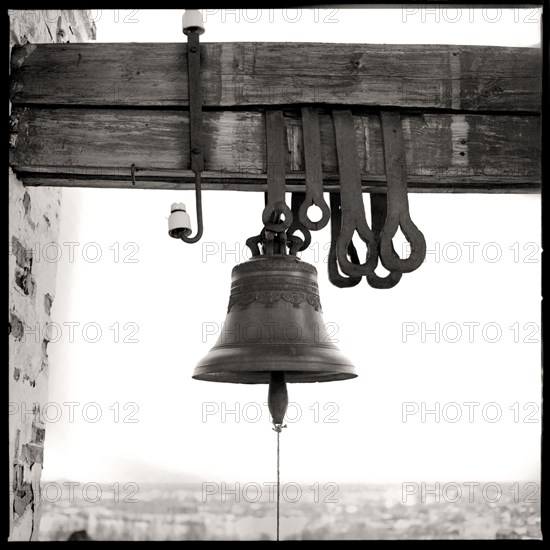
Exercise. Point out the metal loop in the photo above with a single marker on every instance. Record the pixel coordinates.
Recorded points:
(352, 207)
(253, 244)
(389, 258)
(296, 225)
(334, 275)
(273, 242)
(275, 210)
(314, 171)
(397, 200)
(345, 239)
(378, 208)
(325, 214)
(296, 245)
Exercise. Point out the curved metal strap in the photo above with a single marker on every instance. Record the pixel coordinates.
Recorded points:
(195, 124)
(335, 224)
(276, 171)
(295, 244)
(353, 210)
(198, 207)
(277, 243)
(398, 203)
(296, 204)
(253, 244)
(273, 243)
(378, 208)
(314, 170)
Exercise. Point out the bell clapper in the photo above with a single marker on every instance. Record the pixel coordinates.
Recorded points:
(277, 399)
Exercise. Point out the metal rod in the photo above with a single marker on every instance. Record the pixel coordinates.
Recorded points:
(278, 484)
(277, 400)
(195, 125)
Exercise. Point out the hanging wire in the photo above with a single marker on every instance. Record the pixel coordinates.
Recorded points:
(278, 482)
(277, 399)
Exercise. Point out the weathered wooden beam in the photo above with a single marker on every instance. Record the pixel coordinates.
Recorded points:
(465, 78)
(186, 182)
(96, 147)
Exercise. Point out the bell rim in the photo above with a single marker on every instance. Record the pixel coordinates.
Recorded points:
(298, 363)
(263, 377)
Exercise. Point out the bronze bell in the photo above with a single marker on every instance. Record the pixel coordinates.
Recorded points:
(274, 324)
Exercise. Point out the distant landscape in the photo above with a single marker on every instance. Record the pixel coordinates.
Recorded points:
(197, 511)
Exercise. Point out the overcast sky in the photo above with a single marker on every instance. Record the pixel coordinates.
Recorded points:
(161, 294)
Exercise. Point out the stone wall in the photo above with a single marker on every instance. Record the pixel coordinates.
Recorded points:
(33, 222)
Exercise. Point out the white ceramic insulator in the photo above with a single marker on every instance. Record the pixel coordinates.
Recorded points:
(192, 19)
(179, 218)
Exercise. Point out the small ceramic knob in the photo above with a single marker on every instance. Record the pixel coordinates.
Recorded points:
(192, 20)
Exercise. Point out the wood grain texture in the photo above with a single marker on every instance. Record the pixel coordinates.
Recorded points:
(466, 78)
(186, 182)
(445, 152)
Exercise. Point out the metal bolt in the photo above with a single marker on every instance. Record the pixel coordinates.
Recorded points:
(196, 150)
(193, 49)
